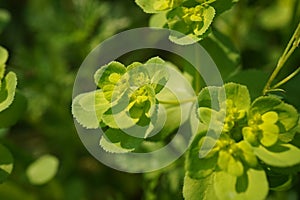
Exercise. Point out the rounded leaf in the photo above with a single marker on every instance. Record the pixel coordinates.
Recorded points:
(252, 185)
(42, 170)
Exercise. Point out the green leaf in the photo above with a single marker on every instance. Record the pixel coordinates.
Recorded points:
(210, 117)
(223, 5)
(6, 163)
(193, 24)
(7, 90)
(176, 113)
(180, 39)
(14, 112)
(4, 18)
(105, 75)
(253, 185)
(208, 16)
(248, 155)
(206, 95)
(42, 170)
(88, 108)
(153, 72)
(117, 141)
(3, 56)
(121, 120)
(223, 52)
(280, 182)
(158, 20)
(195, 189)
(156, 6)
(108, 76)
(279, 155)
(3, 59)
(239, 95)
(197, 168)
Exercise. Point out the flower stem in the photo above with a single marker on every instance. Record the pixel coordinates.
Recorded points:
(283, 81)
(292, 45)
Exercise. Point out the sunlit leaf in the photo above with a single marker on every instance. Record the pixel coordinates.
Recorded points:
(88, 108)
(279, 155)
(253, 185)
(42, 170)
(7, 90)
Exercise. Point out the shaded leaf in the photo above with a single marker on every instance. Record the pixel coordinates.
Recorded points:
(14, 112)
(117, 141)
(6, 163)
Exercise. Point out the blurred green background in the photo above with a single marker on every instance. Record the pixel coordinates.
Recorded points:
(47, 41)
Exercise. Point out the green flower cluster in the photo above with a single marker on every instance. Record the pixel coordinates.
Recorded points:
(189, 17)
(125, 101)
(242, 137)
(126, 95)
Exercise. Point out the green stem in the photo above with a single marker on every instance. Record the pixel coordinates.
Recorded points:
(178, 102)
(292, 45)
(287, 78)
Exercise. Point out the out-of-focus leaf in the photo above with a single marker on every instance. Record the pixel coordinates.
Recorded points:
(4, 18)
(13, 191)
(6, 163)
(42, 170)
(14, 112)
(255, 80)
(223, 52)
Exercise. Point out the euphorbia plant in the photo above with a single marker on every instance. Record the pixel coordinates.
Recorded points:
(242, 146)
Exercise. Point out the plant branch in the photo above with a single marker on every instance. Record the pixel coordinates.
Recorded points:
(292, 45)
(283, 81)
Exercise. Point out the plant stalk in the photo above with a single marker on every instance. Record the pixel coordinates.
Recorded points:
(292, 45)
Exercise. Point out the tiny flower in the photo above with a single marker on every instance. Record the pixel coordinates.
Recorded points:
(262, 129)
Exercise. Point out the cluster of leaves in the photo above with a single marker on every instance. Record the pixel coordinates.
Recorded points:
(12, 107)
(192, 18)
(125, 102)
(26, 28)
(244, 148)
(8, 84)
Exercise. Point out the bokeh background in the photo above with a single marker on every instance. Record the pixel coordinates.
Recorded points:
(49, 39)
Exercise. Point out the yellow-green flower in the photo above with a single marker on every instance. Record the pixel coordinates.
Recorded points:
(262, 129)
